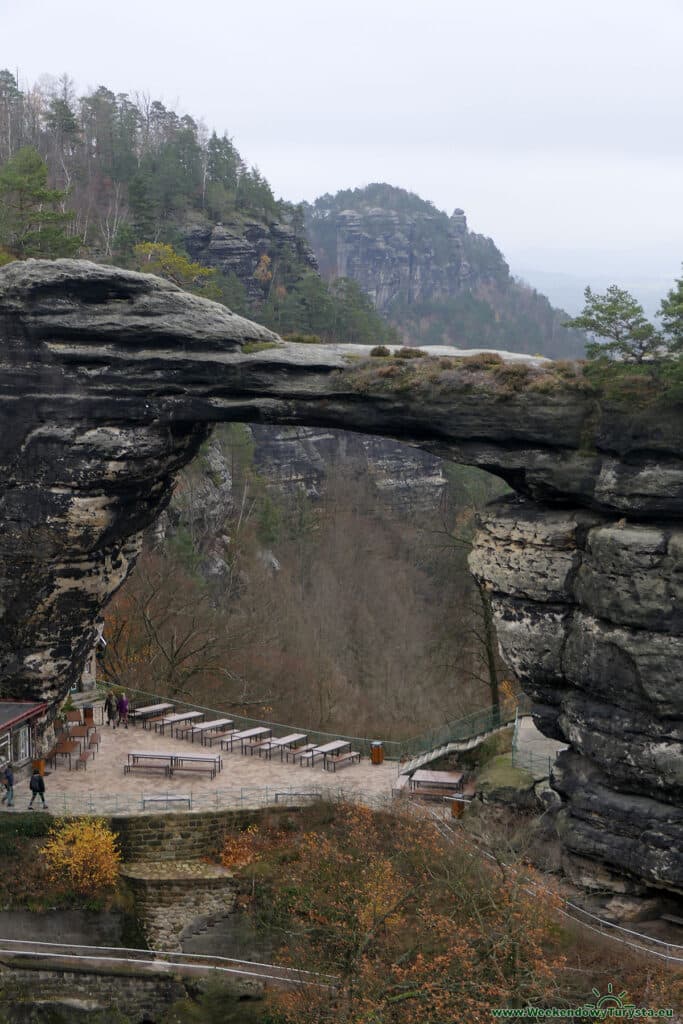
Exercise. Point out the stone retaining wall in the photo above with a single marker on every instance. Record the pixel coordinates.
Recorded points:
(187, 836)
(184, 898)
(101, 996)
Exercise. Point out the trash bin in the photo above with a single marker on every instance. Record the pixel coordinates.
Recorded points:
(88, 714)
(39, 763)
(377, 752)
(457, 808)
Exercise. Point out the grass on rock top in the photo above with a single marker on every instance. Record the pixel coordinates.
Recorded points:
(411, 370)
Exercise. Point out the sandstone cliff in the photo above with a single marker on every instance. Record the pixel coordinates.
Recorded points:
(430, 275)
(236, 248)
(108, 381)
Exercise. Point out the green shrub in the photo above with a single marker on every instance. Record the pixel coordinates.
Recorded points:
(304, 339)
(380, 350)
(406, 352)
(483, 361)
(513, 376)
(258, 346)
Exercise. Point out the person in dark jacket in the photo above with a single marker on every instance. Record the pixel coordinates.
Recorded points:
(8, 783)
(37, 786)
(110, 708)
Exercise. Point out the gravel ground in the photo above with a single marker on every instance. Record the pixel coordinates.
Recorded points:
(245, 780)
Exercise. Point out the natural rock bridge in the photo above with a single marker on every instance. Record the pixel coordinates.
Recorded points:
(109, 382)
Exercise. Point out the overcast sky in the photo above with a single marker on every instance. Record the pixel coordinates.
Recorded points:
(555, 124)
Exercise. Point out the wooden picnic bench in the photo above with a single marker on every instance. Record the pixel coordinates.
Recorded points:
(282, 743)
(149, 760)
(196, 763)
(401, 785)
(217, 737)
(149, 711)
(167, 798)
(433, 793)
(83, 758)
(202, 728)
(302, 754)
(334, 761)
(65, 748)
(146, 766)
(426, 779)
(325, 751)
(175, 719)
(247, 736)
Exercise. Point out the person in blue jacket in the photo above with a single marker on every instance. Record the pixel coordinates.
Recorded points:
(8, 783)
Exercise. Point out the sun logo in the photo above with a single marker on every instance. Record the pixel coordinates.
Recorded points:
(610, 1000)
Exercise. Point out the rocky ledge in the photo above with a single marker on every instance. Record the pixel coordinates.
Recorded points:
(109, 382)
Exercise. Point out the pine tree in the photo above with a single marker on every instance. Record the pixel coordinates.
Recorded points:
(31, 221)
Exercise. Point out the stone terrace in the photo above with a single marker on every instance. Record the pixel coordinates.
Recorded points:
(246, 780)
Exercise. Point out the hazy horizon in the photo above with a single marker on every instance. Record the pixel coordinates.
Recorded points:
(552, 126)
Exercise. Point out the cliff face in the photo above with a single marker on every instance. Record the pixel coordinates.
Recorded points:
(108, 382)
(432, 277)
(300, 457)
(236, 248)
(393, 257)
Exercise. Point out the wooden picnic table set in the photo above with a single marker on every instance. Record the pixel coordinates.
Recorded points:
(255, 739)
(432, 784)
(334, 754)
(77, 738)
(170, 762)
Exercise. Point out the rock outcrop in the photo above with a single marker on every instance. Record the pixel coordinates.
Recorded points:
(236, 248)
(433, 278)
(299, 457)
(109, 381)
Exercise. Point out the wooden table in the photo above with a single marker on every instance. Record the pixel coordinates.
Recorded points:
(201, 728)
(150, 759)
(66, 748)
(282, 743)
(247, 736)
(333, 747)
(441, 780)
(171, 720)
(149, 712)
(197, 762)
(81, 732)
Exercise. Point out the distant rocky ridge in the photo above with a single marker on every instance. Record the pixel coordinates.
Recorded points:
(437, 281)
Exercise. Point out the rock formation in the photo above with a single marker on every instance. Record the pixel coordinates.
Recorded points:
(236, 248)
(109, 381)
(294, 458)
(430, 276)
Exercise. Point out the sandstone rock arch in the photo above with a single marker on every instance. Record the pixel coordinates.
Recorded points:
(109, 382)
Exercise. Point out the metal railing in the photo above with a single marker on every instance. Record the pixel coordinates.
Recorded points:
(233, 798)
(184, 963)
(459, 730)
(535, 764)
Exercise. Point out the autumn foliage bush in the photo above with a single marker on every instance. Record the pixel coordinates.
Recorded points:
(414, 928)
(82, 856)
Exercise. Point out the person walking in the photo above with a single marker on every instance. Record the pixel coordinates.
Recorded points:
(8, 783)
(37, 787)
(110, 708)
(122, 708)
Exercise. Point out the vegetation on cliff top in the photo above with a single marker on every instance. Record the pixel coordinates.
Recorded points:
(639, 385)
